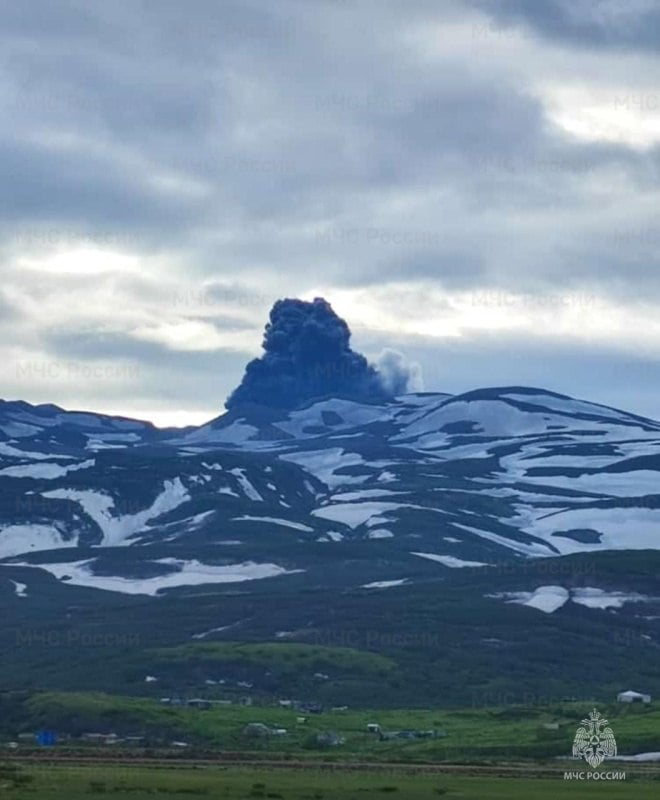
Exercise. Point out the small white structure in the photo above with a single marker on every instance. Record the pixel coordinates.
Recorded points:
(633, 697)
(373, 727)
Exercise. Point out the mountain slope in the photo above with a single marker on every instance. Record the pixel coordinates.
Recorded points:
(492, 474)
(439, 530)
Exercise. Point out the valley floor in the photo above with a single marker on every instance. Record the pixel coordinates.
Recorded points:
(139, 782)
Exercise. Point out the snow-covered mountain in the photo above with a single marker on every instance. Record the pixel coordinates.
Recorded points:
(480, 478)
(492, 541)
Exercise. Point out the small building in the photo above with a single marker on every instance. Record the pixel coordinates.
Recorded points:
(46, 738)
(198, 702)
(95, 738)
(329, 739)
(386, 736)
(406, 735)
(373, 727)
(171, 701)
(100, 738)
(633, 697)
(311, 708)
(256, 730)
(430, 734)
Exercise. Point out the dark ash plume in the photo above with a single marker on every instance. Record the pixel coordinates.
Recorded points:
(307, 356)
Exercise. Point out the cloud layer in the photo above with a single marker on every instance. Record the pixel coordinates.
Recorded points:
(473, 184)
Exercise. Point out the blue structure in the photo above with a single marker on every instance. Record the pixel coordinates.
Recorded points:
(46, 738)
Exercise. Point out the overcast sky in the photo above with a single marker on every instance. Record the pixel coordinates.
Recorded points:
(472, 183)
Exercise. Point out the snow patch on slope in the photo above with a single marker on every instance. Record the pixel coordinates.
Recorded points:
(245, 484)
(349, 413)
(117, 530)
(276, 521)
(354, 514)
(14, 452)
(546, 598)
(323, 464)
(20, 589)
(16, 540)
(592, 597)
(188, 573)
(451, 561)
(550, 598)
(621, 528)
(44, 470)
(235, 434)
(384, 584)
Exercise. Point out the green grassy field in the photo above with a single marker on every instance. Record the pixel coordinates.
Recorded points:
(139, 783)
(288, 658)
(473, 734)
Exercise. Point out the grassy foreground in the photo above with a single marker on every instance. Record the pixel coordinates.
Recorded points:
(139, 783)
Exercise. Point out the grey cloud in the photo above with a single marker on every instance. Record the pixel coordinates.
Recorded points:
(44, 191)
(592, 371)
(258, 150)
(9, 313)
(451, 269)
(629, 24)
(121, 346)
